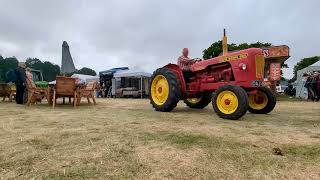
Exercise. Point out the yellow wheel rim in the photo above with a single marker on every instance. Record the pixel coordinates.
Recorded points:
(258, 101)
(194, 100)
(227, 102)
(159, 90)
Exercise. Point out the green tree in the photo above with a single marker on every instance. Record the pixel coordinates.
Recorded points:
(7, 64)
(303, 63)
(216, 48)
(49, 70)
(1, 78)
(34, 63)
(86, 71)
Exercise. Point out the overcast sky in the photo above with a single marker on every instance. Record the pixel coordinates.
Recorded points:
(147, 34)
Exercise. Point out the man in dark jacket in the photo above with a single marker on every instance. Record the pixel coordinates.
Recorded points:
(20, 82)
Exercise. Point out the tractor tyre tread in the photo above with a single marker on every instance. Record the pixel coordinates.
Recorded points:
(174, 90)
(243, 102)
(272, 101)
(205, 100)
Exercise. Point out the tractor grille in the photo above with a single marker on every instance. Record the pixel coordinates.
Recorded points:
(259, 66)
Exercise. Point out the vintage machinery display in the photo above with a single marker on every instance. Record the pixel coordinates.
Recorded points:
(233, 82)
(274, 56)
(38, 78)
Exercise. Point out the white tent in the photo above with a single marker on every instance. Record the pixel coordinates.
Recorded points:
(86, 78)
(82, 77)
(132, 73)
(301, 91)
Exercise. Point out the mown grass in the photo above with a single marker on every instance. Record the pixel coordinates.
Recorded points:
(126, 139)
(74, 173)
(306, 152)
(288, 98)
(246, 157)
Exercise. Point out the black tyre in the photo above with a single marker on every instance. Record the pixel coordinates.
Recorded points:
(199, 103)
(263, 102)
(165, 90)
(230, 102)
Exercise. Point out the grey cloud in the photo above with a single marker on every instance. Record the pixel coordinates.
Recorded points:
(148, 34)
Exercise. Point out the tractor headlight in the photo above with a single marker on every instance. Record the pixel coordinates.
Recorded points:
(242, 66)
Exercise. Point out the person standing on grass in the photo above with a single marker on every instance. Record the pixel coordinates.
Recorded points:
(20, 82)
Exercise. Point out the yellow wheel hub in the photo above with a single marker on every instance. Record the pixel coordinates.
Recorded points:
(194, 100)
(159, 90)
(227, 102)
(258, 101)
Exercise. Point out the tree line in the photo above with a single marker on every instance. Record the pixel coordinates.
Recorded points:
(49, 70)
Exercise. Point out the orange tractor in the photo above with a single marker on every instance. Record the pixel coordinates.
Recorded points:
(233, 82)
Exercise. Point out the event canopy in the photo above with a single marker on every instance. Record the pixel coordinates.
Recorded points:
(301, 92)
(86, 78)
(112, 71)
(132, 78)
(82, 77)
(131, 73)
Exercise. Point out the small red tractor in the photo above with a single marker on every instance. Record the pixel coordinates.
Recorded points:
(233, 82)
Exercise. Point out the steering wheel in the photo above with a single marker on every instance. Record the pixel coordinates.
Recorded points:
(197, 59)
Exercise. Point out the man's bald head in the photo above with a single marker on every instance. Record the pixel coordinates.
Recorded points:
(185, 52)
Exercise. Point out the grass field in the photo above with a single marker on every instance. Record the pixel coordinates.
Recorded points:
(126, 139)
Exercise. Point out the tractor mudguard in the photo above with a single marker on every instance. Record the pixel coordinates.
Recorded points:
(177, 70)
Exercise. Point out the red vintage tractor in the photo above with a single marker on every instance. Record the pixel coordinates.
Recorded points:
(233, 83)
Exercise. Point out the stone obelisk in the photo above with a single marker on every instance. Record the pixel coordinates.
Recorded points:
(67, 65)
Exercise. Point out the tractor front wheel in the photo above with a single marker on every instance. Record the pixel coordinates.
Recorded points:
(262, 102)
(165, 90)
(198, 103)
(230, 102)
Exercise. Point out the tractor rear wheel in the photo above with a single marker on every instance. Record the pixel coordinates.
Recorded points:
(198, 103)
(263, 102)
(230, 102)
(165, 90)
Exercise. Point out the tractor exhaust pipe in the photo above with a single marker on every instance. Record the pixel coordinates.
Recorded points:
(224, 43)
